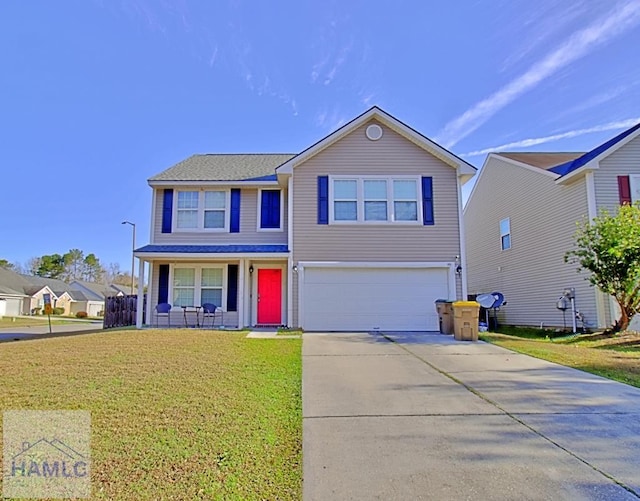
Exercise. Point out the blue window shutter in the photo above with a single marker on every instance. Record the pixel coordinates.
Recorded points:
(427, 201)
(270, 209)
(234, 226)
(323, 199)
(167, 210)
(163, 283)
(232, 287)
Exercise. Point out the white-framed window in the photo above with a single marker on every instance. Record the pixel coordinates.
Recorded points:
(505, 234)
(345, 200)
(634, 185)
(375, 200)
(197, 285)
(202, 210)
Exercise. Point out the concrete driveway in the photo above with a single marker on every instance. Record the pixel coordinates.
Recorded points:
(421, 416)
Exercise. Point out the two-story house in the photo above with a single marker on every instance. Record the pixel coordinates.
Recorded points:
(521, 218)
(361, 231)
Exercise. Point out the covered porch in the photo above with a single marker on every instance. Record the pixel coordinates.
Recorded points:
(249, 285)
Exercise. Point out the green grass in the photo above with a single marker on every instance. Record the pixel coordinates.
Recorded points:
(30, 321)
(176, 414)
(614, 357)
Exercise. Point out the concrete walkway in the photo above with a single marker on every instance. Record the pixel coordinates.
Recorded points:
(421, 416)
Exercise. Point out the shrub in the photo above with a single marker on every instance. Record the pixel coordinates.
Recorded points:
(81, 314)
(58, 311)
(36, 311)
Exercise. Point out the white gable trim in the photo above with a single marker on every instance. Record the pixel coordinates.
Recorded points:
(594, 163)
(465, 170)
(614, 148)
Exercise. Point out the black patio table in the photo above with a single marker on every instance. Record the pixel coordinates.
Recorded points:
(190, 309)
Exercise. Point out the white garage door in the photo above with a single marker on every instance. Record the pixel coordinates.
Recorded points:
(366, 299)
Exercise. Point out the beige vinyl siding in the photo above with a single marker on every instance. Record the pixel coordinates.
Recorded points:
(622, 162)
(249, 233)
(391, 155)
(532, 274)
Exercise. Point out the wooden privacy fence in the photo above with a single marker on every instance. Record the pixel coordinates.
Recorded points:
(120, 311)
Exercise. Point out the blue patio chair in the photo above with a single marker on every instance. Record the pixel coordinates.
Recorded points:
(210, 310)
(163, 310)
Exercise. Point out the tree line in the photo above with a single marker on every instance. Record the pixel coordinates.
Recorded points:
(70, 266)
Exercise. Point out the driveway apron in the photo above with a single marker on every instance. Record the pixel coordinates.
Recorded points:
(421, 416)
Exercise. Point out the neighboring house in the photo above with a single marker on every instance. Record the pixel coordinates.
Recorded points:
(24, 294)
(521, 218)
(12, 291)
(360, 231)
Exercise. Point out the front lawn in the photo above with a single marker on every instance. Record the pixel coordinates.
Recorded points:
(176, 414)
(615, 357)
(34, 321)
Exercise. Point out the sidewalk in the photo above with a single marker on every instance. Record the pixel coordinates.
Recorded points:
(420, 416)
(42, 331)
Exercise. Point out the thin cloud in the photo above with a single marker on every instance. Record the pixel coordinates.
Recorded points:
(524, 143)
(575, 47)
(340, 60)
(330, 120)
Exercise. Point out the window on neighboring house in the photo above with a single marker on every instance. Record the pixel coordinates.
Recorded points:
(505, 234)
(202, 210)
(634, 184)
(197, 286)
(370, 199)
(270, 210)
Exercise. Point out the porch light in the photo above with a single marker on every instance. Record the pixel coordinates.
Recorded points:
(251, 269)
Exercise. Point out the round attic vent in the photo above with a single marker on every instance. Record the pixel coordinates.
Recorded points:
(374, 132)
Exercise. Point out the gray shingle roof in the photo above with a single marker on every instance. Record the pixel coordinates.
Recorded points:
(224, 167)
(12, 283)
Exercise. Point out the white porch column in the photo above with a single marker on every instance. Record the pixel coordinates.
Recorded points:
(140, 293)
(150, 304)
(241, 298)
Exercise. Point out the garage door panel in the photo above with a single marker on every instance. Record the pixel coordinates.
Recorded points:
(372, 298)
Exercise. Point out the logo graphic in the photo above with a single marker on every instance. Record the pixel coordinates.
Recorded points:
(46, 454)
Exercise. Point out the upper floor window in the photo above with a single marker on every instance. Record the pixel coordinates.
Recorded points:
(202, 210)
(270, 210)
(374, 199)
(634, 182)
(505, 233)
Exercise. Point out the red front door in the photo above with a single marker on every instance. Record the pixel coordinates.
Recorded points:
(269, 296)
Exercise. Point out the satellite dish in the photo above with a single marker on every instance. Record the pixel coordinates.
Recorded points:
(499, 299)
(486, 300)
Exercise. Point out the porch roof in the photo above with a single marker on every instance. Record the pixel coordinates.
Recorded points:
(213, 249)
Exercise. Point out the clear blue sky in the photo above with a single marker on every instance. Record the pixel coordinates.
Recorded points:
(98, 95)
